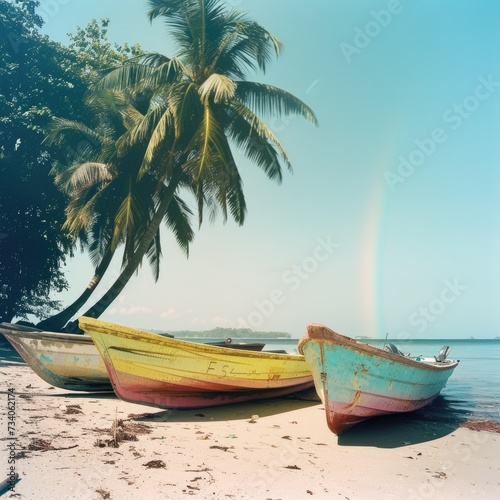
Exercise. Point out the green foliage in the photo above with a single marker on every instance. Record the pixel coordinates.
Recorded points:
(34, 86)
(110, 203)
(174, 125)
(40, 80)
(93, 51)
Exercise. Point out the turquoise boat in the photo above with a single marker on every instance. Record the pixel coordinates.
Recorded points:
(356, 381)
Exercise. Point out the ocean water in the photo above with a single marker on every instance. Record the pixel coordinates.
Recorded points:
(473, 390)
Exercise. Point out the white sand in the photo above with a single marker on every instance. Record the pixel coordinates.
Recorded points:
(287, 453)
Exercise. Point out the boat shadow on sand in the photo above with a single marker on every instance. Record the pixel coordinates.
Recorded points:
(239, 411)
(432, 422)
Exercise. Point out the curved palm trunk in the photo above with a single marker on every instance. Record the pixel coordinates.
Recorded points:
(56, 323)
(134, 262)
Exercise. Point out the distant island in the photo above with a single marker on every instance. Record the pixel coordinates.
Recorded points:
(224, 333)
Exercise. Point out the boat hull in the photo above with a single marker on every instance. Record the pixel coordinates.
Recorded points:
(169, 373)
(356, 381)
(62, 360)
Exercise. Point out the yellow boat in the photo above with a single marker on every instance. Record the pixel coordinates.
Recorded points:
(165, 372)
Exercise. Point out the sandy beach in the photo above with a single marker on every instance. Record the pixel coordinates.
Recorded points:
(94, 446)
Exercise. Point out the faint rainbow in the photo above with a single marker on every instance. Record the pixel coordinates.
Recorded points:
(373, 242)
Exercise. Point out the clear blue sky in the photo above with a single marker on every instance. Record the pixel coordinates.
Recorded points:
(390, 221)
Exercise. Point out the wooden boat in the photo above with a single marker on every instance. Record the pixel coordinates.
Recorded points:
(356, 381)
(170, 373)
(70, 361)
(63, 360)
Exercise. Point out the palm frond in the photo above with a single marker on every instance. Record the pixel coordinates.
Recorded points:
(175, 15)
(79, 213)
(152, 59)
(61, 131)
(131, 116)
(164, 74)
(218, 88)
(128, 217)
(246, 46)
(273, 101)
(140, 132)
(227, 188)
(84, 175)
(209, 141)
(184, 104)
(195, 25)
(257, 141)
(178, 221)
(159, 141)
(124, 77)
(154, 255)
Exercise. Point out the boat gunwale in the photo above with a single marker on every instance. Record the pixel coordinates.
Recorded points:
(19, 328)
(43, 335)
(121, 331)
(322, 334)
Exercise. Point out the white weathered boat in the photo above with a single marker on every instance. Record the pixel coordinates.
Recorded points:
(63, 360)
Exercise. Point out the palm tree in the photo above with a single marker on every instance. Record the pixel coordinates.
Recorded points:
(109, 205)
(203, 107)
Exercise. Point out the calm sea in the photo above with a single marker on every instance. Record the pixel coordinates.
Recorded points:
(472, 392)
